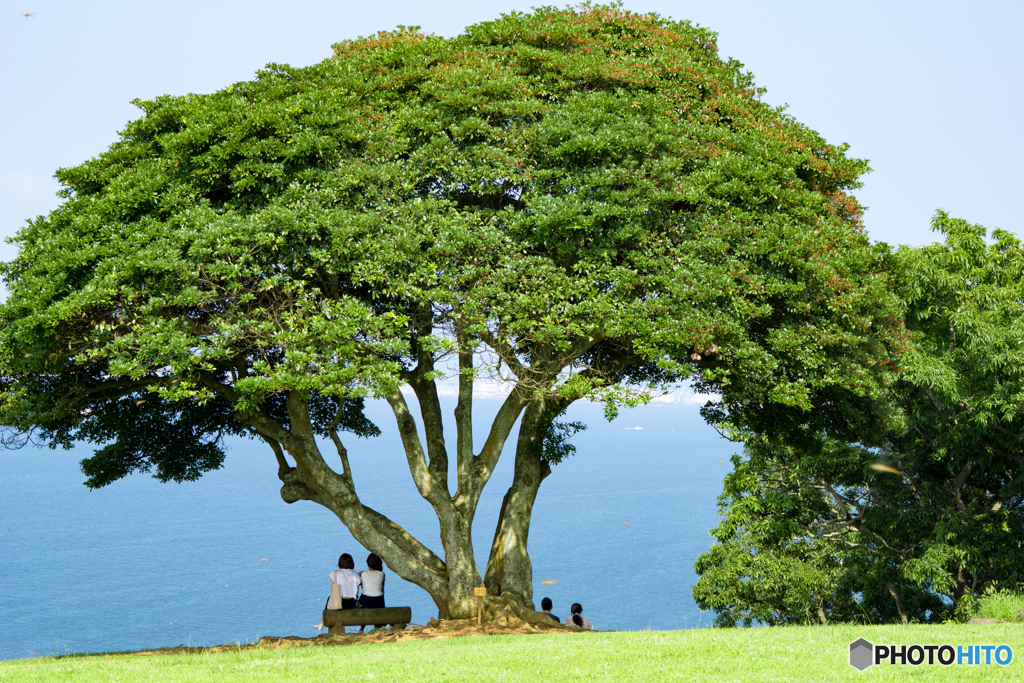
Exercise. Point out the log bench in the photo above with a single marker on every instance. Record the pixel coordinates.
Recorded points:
(335, 619)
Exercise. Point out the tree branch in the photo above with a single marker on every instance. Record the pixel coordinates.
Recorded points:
(500, 428)
(429, 488)
(404, 540)
(332, 429)
(464, 407)
(899, 603)
(1002, 451)
(373, 530)
(125, 387)
(430, 412)
(506, 354)
(282, 463)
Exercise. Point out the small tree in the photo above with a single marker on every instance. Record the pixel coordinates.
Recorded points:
(586, 203)
(907, 524)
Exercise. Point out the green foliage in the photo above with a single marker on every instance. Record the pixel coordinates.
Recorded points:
(914, 521)
(806, 539)
(1000, 603)
(592, 197)
(554, 445)
(588, 189)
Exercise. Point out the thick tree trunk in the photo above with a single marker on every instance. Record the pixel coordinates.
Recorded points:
(463, 576)
(450, 582)
(509, 570)
(313, 480)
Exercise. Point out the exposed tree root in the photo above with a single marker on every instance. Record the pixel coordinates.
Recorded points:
(498, 624)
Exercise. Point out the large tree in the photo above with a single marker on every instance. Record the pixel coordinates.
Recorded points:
(586, 203)
(912, 521)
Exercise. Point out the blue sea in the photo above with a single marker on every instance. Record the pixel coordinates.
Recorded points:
(140, 564)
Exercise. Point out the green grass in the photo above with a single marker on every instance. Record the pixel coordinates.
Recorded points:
(1002, 605)
(775, 654)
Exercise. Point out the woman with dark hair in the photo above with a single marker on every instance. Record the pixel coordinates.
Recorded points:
(373, 585)
(372, 581)
(344, 586)
(577, 619)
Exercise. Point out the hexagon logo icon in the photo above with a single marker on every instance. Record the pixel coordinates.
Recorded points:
(861, 654)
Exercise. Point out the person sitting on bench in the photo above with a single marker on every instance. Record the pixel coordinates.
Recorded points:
(345, 584)
(372, 581)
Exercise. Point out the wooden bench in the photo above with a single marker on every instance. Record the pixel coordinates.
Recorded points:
(384, 616)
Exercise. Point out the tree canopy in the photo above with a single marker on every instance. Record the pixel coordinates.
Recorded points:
(908, 523)
(585, 203)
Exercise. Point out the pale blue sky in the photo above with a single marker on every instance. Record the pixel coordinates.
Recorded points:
(930, 92)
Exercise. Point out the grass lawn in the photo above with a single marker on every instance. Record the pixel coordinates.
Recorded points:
(817, 653)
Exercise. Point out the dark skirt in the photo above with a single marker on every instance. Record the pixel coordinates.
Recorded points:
(346, 603)
(371, 601)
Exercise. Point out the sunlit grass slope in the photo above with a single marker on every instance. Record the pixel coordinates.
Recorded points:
(786, 654)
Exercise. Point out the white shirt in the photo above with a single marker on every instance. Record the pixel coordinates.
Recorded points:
(373, 583)
(347, 580)
(586, 622)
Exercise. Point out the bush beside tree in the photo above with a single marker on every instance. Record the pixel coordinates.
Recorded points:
(916, 522)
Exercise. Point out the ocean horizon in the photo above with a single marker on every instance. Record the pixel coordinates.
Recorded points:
(141, 565)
